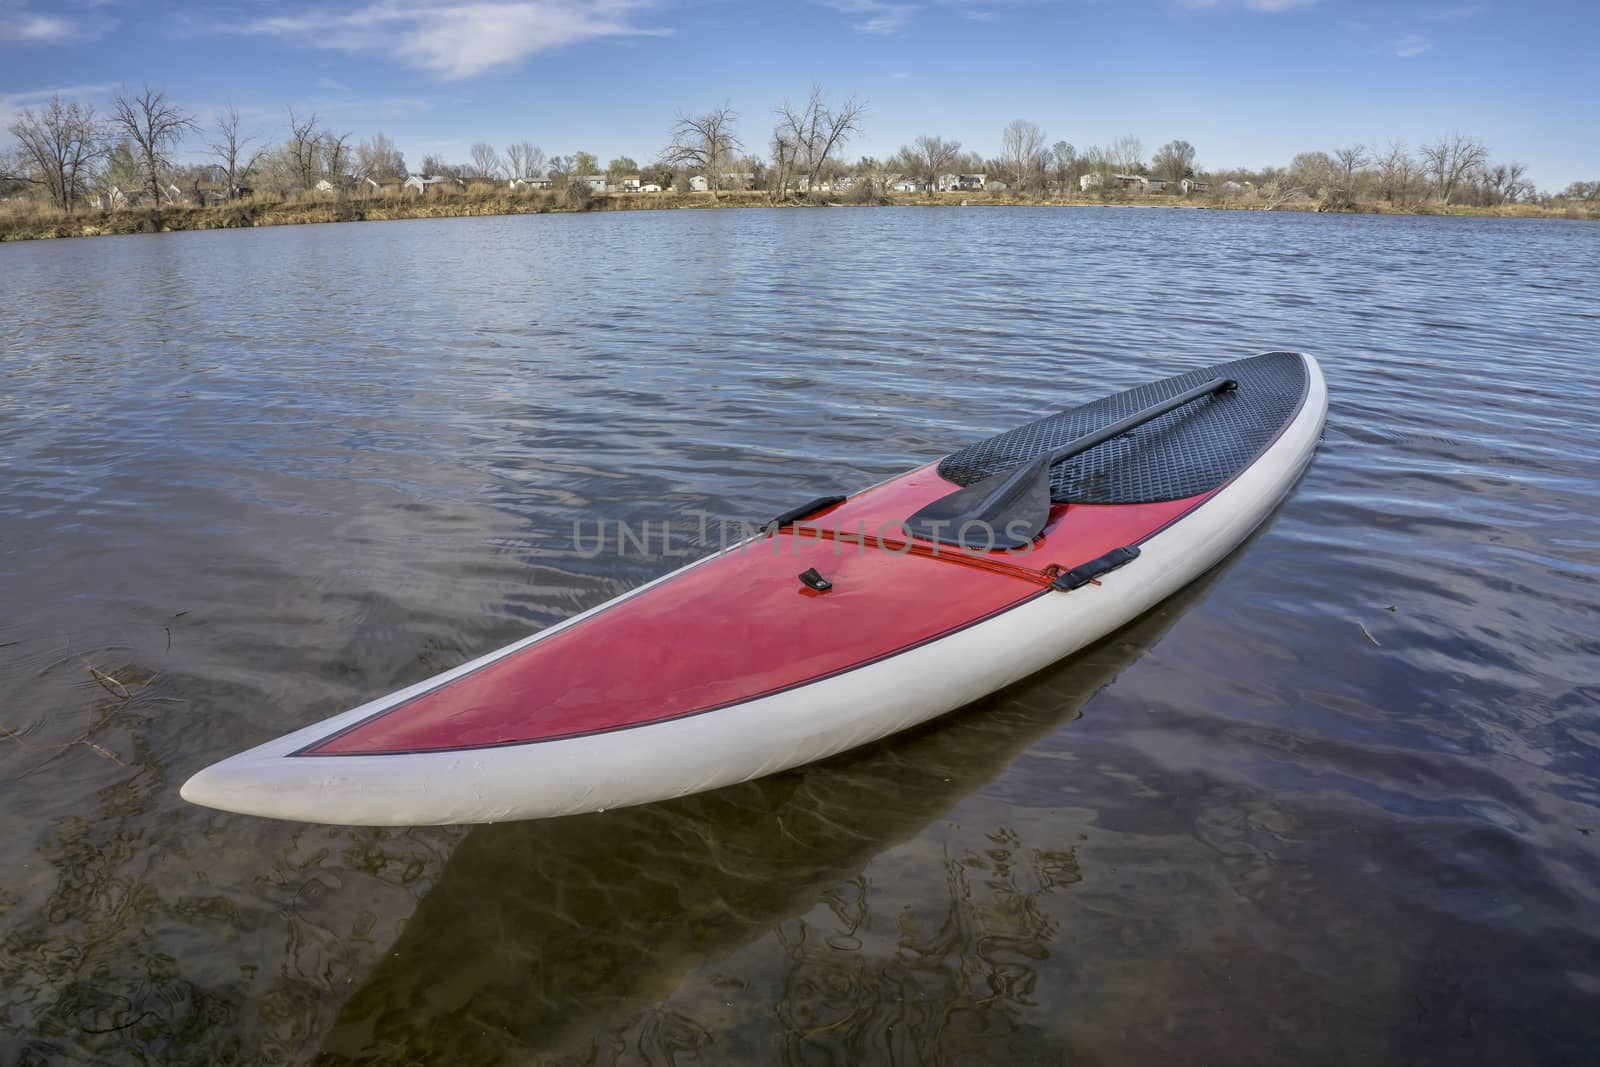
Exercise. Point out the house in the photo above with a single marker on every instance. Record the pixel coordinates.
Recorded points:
(420, 185)
(649, 187)
(962, 182)
(110, 199)
(531, 183)
(698, 184)
(212, 190)
(908, 185)
(207, 192)
(1233, 188)
(803, 185)
(597, 182)
(947, 182)
(630, 183)
(1089, 181)
(323, 186)
(1190, 185)
(1140, 182)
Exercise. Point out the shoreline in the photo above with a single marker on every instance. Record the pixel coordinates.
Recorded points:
(38, 225)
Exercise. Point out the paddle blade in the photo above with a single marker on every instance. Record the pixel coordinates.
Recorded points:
(1004, 510)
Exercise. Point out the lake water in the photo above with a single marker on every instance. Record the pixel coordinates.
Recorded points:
(1338, 802)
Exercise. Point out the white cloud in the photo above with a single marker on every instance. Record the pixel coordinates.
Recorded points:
(458, 40)
(1412, 45)
(1457, 12)
(891, 17)
(878, 16)
(1270, 7)
(23, 27)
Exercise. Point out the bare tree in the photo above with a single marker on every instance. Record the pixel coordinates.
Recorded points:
(875, 176)
(1348, 161)
(524, 160)
(379, 158)
(336, 153)
(783, 155)
(928, 157)
(533, 156)
(1021, 152)
(816, 130)
(1313, 173)
(1398, 174)
(1126, 154)
(57, 148)
(232, 152)
(560, 168)
(1277, 190)
(1096, 160)
(486, 160)
(1519, 186)
(1450, 160)
(1174, 161)
(304, 144)
(155, 128)
(705, 142)
(14, 175)
(1065, 159)
(1505, 183)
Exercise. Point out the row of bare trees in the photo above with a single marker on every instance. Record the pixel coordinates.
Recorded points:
(65, 151)
(68, 151)
(1454, 169)
(1451, 169)
(60, 146)
(807, 140)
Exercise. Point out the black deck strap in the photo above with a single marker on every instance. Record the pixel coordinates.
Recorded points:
(1085, 573)
(803, 511)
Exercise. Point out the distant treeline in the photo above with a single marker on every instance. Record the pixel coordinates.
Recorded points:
(68, 155)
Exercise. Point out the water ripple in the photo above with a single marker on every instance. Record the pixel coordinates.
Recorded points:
(1348, 808)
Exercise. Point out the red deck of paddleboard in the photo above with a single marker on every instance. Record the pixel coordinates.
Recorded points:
(741, 626)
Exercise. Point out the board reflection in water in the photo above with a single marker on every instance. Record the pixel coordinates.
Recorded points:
(561, 937)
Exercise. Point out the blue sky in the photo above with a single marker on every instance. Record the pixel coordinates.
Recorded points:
(1248, 82)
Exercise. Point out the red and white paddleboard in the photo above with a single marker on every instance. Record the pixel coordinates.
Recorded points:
(822, 634)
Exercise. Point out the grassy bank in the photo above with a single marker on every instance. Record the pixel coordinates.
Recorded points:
(28, 221)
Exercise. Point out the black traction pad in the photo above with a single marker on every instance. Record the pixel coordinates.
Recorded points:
(1186, 452)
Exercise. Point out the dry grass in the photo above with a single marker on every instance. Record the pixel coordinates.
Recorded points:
(27, 220)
